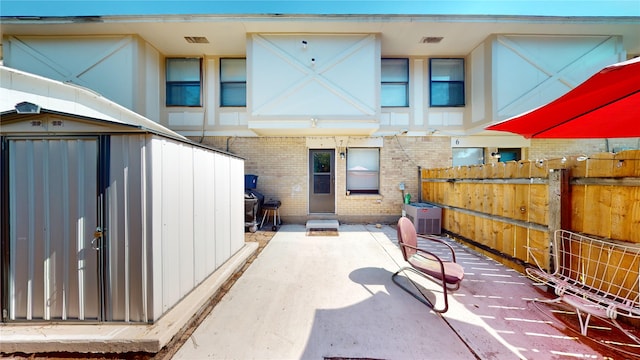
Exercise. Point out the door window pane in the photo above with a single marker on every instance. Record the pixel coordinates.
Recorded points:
(322, 173)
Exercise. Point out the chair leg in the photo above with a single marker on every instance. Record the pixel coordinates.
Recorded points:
(422, 298)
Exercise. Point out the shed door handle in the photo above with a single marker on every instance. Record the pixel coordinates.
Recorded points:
(97, 235)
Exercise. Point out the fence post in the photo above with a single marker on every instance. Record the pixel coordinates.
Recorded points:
(559, 200)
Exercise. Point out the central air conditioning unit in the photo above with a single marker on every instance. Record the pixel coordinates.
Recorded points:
(427, 218)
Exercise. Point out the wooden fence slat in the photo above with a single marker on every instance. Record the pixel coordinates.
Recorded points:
(538, 240)
(578, 193)
(511, 169)
(627, 163)
(497, 170)
(598, 207)
(600, 165)
(539, 204)
(539, 169)
(524, 169)
(521, 202)
(626, 215)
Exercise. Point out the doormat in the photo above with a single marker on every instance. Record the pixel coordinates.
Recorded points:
(322, 232)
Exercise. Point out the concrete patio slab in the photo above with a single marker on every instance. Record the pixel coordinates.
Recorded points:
(332, 296)
(315, 297)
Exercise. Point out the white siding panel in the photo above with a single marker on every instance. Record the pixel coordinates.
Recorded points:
(200, 215)
(400, 119)
(446, 118)
(330, 76)
(385, 119)
(478, 95)
(236, 205)
(152, 83)
(229, 119)
(530, 71)
(170, 207)
(222, 200)
(417, 92)
(185, 238)
(178, 119)
(80, 60)
(155, 177)
(209, 238)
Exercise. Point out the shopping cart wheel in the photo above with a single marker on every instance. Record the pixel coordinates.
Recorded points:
(253, 228)
(274, 228)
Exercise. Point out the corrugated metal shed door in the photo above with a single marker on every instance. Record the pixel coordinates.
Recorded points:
(53, 214)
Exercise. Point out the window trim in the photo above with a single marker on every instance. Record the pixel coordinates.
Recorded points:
(431, 82)
(406, 84)
(221, 83)
(182, 83)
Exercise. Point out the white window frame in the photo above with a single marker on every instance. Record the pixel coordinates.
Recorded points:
(440, 74)
(363, 175)
(392, 80)
(236, 81)
(182, 81)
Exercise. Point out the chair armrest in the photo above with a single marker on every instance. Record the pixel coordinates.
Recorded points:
(430, 256)
(435, 239)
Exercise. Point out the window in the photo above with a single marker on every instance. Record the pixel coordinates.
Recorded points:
(233, 82)
(509, 154)
(395, 82)
(363, 170)
(467, 156)
(183, 82)
(447, 82)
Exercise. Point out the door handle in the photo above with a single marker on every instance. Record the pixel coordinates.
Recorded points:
(97, 235)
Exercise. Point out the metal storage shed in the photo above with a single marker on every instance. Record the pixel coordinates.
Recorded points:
(106, 215)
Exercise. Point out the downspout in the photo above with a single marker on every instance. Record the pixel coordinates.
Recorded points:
(419, 184)
(204, 97)
(229, 138)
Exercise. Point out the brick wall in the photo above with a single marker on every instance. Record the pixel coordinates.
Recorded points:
(557, 148)
(281, 164)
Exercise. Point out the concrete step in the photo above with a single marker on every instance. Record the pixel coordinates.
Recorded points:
(322, 224)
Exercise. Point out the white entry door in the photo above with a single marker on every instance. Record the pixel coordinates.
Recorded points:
(322, 198)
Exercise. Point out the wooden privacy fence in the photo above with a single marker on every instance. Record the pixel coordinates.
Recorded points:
(502, 209)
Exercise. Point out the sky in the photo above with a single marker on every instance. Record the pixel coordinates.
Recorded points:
(314, 7)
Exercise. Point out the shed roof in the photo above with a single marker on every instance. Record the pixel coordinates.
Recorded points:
(64, 98)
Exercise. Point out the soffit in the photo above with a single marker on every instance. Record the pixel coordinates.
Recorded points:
(400, 35)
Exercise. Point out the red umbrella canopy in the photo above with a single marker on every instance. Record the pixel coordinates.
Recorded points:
(607, 105)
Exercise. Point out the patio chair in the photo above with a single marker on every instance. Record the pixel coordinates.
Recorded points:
(446, 273)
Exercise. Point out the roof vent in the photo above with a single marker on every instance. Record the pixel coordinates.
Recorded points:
(27, 108)
(431, 39)
(196, 39)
